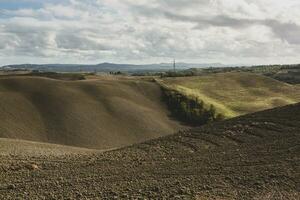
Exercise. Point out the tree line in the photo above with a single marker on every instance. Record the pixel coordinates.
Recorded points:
(189, 109)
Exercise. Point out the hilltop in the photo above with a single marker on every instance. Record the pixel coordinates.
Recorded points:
(100, 114)
(236, 93)
(255, 156)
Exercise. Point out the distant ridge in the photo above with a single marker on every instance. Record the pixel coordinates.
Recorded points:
(106, 67)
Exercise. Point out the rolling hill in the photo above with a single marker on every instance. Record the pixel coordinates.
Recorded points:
(255, 156)
(236, 93)
(99, 114)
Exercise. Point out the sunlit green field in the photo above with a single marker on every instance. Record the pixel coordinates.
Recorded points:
(235, 94)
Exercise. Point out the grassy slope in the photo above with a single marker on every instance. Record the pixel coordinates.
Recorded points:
(236, 94)
(250, 157)
(95, 113)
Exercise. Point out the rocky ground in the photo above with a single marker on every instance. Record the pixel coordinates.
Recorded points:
(255, 156)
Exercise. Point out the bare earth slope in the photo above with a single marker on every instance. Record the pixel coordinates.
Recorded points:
(35, 149)
(255, 156)
(96, 114)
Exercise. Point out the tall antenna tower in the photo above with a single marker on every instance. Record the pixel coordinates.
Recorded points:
(174, 65)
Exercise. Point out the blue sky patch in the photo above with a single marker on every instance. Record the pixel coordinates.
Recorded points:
(23, 4)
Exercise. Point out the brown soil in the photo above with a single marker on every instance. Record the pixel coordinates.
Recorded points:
(255, 156)
(99, 114)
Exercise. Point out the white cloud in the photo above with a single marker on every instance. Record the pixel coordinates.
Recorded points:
(228, 31)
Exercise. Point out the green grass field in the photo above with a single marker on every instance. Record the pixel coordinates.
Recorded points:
(235, 94)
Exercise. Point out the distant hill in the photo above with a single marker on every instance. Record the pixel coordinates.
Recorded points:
(237, 93)
(107, 67)
(286, 73)
(99, 114)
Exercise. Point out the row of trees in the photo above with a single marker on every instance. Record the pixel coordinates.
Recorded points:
(190, 110)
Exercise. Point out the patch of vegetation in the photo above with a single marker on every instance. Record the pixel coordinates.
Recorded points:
(59, 76)
(179, 73)
(235, 94)
(285, 73)
(291, 77)
(141, 73)
(52, 75)
(188, 109)
(117, 73)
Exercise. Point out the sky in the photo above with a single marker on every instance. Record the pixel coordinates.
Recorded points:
(150, 31)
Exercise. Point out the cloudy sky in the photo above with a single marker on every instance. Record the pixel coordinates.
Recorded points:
(149, 31)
